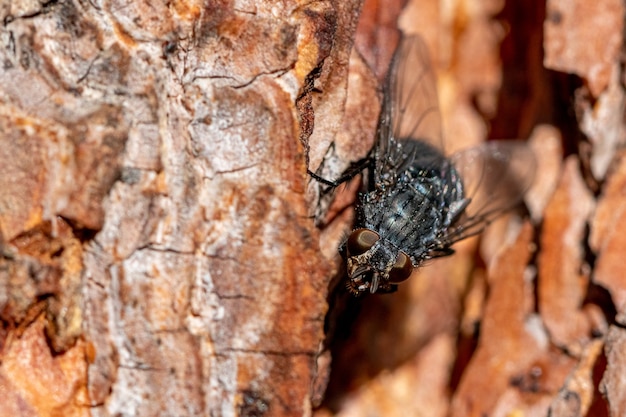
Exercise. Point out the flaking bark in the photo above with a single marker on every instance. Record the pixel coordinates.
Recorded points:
(153, 212)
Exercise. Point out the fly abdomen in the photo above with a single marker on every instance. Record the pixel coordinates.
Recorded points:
(412, 213)
(405, 218)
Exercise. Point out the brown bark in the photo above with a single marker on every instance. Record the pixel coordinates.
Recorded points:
(153, 209)
(534, 331)
(158, 255)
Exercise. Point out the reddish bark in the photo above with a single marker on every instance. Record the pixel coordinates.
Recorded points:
(157, 251)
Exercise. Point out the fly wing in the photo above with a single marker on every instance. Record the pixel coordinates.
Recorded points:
(410, 108)
(415, 111)
(495, 177)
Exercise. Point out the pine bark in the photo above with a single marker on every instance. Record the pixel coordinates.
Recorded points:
(158, 252)
(163, 250)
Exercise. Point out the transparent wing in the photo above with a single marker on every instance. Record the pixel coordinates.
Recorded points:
(413, 87)
(410, 108)
(495, 177)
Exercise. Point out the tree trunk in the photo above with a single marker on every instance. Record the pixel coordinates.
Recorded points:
(159, 253)
(535, 327)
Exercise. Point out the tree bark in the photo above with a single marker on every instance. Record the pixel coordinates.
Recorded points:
(159, 254)
(534, 327)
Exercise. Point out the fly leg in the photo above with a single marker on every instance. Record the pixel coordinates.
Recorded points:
(326, 187)
(353, 170)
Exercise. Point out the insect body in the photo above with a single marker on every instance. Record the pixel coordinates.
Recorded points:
(400, 224)
(417, 202)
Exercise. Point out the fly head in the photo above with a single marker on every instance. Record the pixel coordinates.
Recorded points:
(374, 264)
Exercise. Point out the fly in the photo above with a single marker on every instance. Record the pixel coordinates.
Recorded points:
(416, 202)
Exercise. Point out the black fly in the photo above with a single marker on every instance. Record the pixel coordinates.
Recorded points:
(416, 202)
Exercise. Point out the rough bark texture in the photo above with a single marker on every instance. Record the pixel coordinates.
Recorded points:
(157, 250)
(535, 327)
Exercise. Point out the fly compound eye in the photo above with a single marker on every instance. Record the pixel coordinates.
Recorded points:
(402, 269)
(361, 240)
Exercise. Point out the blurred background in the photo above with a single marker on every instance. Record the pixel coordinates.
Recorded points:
(527, 319)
